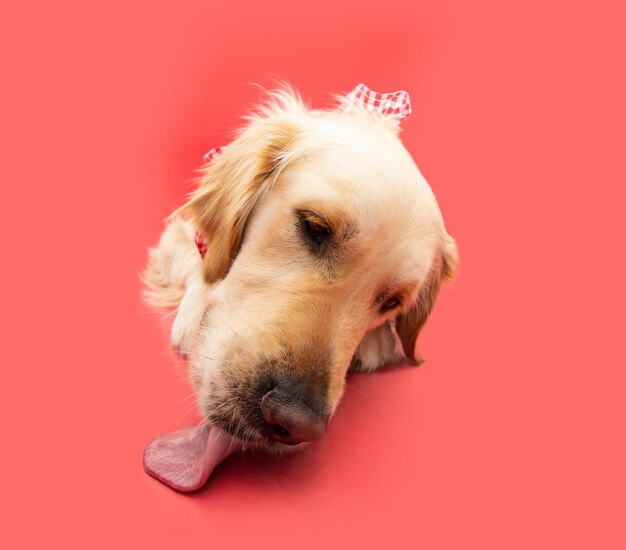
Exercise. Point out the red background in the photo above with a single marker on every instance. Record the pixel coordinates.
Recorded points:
(510, 436)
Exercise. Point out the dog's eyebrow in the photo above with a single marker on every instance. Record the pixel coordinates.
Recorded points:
(309, 212)
(348, 231)
(382, 295)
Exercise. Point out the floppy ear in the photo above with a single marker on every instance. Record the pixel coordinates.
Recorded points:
(232, 184)
(409, 323)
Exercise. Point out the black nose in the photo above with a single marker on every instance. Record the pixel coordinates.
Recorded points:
(290, 420)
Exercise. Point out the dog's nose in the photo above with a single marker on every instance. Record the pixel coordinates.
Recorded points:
(289, 420)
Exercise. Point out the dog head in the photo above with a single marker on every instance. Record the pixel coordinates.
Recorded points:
(319, 228)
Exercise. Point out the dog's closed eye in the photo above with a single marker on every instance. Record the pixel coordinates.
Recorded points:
(316, 230)
(389, 304)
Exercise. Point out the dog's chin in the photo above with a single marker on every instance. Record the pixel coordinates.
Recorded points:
(278, 447)
(251, 439)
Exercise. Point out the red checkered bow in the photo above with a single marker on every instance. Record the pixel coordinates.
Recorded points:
(199, 239)
(200, 244)
(396, 105)
(208, 157)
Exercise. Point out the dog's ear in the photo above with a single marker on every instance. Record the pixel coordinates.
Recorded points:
(410, 322)
(233, 183)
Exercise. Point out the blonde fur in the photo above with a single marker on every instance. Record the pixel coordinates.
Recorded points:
(261, 294)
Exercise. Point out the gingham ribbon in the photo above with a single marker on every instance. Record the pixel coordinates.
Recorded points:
(208, 157)
(396, 105)
(200, 244)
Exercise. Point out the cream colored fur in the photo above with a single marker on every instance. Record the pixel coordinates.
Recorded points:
(260, 290)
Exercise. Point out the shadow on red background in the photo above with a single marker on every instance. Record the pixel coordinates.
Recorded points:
(510, 436)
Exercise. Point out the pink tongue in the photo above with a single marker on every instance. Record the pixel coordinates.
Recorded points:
(184, 459)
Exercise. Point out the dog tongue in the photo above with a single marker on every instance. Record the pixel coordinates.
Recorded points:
(184, 459)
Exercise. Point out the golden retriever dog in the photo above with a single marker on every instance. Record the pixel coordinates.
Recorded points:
(324, 246)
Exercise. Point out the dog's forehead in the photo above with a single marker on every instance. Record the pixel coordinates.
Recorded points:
(360, 160)
(361, 173)
(366, 144)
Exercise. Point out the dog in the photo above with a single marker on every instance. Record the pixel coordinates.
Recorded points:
(323, 246)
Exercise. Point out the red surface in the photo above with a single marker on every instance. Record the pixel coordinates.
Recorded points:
(510, 436)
